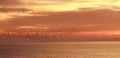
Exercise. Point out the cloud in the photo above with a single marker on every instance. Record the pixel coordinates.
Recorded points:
(73, 5)
(59, 12)
(34, 6)
(5, 9)
(10, 2)
(62, 5)
(33, 27)
(99, 19)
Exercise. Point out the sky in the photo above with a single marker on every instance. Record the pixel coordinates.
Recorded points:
(45, 14)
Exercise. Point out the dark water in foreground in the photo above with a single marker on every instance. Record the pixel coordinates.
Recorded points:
(60, 50)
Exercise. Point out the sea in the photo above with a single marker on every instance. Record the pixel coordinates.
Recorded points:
(87, 49)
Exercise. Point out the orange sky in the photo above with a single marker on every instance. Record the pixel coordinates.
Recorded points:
(43, 14)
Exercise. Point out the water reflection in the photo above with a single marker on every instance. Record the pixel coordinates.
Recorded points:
(60, 50)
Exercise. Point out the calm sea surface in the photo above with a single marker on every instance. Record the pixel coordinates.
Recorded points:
(60, 50)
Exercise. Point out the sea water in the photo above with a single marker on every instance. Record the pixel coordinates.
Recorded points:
(60, 49)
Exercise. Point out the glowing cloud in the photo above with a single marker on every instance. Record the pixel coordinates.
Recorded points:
(27, 7)
(37, 26)
(39, 11)
(72, 5)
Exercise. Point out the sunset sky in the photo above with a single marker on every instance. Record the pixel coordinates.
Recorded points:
(44, 14)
